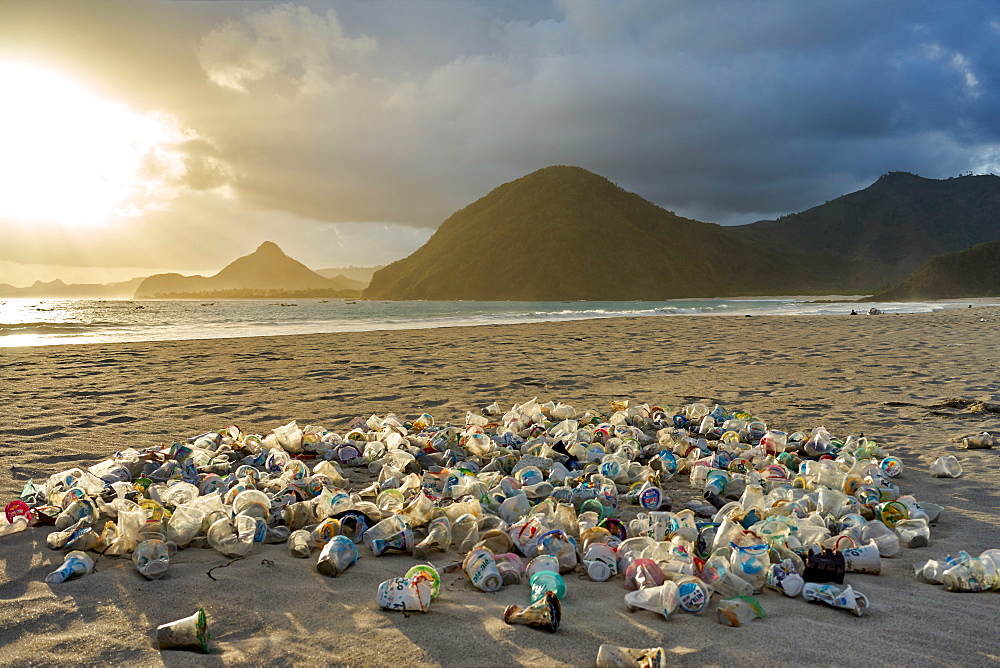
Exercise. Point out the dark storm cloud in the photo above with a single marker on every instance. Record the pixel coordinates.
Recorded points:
(407, 111)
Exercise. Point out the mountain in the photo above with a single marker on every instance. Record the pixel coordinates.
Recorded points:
(59, 290)
(875, 237)
(362, 275)
(566, 233)
(267, 272)
(974, 272)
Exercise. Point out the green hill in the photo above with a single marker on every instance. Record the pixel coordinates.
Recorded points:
(875, 237)
(974, 272)
(565, 233)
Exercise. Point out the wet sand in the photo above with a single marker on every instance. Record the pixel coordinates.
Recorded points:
(890, 377)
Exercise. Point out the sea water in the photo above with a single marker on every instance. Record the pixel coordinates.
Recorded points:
(33, 322)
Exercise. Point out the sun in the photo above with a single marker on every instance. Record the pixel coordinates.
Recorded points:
(71, 157)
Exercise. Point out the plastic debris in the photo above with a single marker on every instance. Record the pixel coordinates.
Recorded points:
(528, 496)
(837, 597)
(946, 467)
(739, 610)
(610, 656)
(186, 633)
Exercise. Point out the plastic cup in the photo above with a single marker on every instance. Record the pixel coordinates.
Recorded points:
(660, 521)
(914, 533)
(601, 562)
(946, 467)
(481, 568)
(187, 633)
(151, 556)
(337, 556)
(75, 565)
(663, 599)
(863, 558)
(739, 610)
(693, 595)
(544, 581)
(184, 524)
(405, 594)
(643, 573)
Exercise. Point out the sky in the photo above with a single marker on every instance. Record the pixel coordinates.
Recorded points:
(146, 136)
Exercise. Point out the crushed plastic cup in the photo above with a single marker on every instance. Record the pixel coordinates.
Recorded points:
(75, 565)
(184, 524)
(837, 597)
(186, 633)
(438, 538)
(946, 467)
(643, 573)
(481, 568)
(559, 545)
(663, 599)
(783, 577)
(428, 572)
(405, 594)
(982, 441)
(739, 611)
(336, 556)
(972, 574)
(233, 538)
(931, 571)
(300, 543)
(724, 581)
(914, 533)
(660, 521)
(79, 509)
(19, 524)
(389, 534)
(464, 532)
(612, 656)
(544, 613)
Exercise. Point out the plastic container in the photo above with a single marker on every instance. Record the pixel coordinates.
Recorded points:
(544, 581)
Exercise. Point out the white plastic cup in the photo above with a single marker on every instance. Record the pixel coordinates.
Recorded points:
(600, 561)
(914, 533)
(660, 521)
(863, 558)
(946, 467)
(481, 568)
(405, 594)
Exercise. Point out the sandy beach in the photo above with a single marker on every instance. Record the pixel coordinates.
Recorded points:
(889, 377)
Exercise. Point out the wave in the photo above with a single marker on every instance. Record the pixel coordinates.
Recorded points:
(37, 328)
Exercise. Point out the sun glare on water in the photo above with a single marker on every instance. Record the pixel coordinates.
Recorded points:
(70, 157)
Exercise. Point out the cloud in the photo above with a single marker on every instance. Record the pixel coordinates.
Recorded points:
(284, 41)
(708, 109)
(330, 120)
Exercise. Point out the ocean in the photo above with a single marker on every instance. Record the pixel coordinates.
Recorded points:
(41, 322)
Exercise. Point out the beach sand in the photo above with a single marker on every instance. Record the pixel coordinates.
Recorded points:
(887, 376)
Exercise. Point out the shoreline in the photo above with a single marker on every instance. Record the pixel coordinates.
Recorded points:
(73, 327)
(882, 376)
